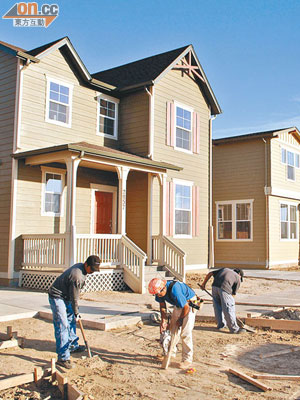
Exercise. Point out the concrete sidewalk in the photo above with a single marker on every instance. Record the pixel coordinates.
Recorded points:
(128, 309)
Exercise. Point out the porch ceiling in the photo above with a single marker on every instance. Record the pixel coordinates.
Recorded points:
(93, 156)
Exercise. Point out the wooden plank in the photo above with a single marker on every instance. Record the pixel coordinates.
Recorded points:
(53, 369)
(248, 378)
(74, 393)
(275, 324)
(174, 339)
(280, 352)
(16, 381)
(9, 343)
(280, 377)
(62, 384)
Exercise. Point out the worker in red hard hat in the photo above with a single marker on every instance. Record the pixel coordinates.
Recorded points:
(180, 296)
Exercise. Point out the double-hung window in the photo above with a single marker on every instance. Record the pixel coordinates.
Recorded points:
(108, 117)
(291, 159)
(59, 102)
(183, 128)
(288, 221)
(53, 184)
(234, 220)
(183, 208)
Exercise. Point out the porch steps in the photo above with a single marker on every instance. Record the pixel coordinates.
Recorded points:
(153, 271)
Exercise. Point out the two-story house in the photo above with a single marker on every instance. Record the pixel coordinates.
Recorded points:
(115, 163)
(256, 196)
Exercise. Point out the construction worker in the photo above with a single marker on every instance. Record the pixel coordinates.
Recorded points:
(183, 316)
(63, 299)
(225, 285)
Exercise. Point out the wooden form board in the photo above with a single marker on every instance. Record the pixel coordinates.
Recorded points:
(248, 378)
(21, 379)
(279, 377)
(275, 324)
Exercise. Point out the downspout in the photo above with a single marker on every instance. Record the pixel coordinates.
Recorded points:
(14, 169)
(211, 255)
(151, 122)
(266, 190)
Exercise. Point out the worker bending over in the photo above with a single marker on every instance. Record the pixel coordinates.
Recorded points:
(179, 295)
(225, 285)
(63, 299)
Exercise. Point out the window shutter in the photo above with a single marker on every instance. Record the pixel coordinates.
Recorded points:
(170, 123)
(196, 133)
(170, 209)
(195, 210)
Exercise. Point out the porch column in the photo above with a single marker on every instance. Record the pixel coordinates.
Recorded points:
(122, 175)
(162, 212)
(149, 219)
(72, 166)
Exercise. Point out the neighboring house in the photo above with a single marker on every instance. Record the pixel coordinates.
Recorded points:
(256, 196)
(115, 163)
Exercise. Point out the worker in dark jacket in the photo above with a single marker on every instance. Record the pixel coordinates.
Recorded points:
(225, 285)
(63, 299)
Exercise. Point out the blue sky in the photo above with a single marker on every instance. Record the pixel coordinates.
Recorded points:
(249, 50)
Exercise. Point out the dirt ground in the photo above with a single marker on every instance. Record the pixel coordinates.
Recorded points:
(125, 363)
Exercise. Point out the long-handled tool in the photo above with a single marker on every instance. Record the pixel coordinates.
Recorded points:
(84, 338)
(239, 321)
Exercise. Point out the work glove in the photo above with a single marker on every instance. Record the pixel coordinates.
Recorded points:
(77, 317)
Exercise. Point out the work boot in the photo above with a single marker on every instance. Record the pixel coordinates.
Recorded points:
(65, 363)
(78, 349)
(185, 364)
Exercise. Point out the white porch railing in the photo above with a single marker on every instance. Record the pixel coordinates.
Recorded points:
(44, 250)
(107, 247)
(133, 260)
(168, 254)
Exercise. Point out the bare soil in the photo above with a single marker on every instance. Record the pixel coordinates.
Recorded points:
(126, 364)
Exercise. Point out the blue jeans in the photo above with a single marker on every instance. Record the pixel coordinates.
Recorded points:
(224, 307)
(64, 327)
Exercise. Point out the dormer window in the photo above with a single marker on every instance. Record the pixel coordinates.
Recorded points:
(108, 116)
(59, 102)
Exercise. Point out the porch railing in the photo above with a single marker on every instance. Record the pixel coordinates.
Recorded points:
(166, 253)
(133, 260)
(44, 250)
(107, 247)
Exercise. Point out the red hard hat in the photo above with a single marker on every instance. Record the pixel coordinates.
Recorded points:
(156, 285)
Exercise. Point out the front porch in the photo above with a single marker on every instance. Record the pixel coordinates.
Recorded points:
(44, 257)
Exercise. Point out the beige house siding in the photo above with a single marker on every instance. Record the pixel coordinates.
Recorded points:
(35, 131)
(183, 89)
(134, 123)
(282, 252)
(8, 76)
(137, 208)
(238, 174)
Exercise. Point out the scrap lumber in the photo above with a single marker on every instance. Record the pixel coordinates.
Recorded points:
(279, 377)
(275, 324)
(250, 380)
(20, 379)
(75, 394)
(280, 352)
(9, 335)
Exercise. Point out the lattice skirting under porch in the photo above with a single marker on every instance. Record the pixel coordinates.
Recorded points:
(99, 281)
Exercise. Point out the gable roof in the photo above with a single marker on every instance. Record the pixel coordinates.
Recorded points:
(256, 135)
(139, 72)
(149, 70)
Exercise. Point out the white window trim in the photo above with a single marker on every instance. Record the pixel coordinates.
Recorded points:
(287, 203)
(102, 96)
(62, 83)
(185, 107)
(56, 171)
(183, 183)
(233, 204)
(291, 150)
(109, 189)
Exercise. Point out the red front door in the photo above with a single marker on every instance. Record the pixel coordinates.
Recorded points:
(103, 212)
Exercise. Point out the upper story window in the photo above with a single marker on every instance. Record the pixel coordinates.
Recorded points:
(53, 185)
(183, 208)
(183, 128)
(288, 221)
(234, 219)
(108, 117)
(59, 102)
(291, 159)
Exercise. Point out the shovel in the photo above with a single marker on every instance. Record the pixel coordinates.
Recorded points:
(239, 321)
